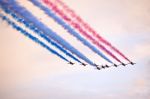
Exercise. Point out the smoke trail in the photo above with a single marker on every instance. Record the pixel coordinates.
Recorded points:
(18, 28)
(87, 27)
(33, 28)
(27, 15)
(69, 29)
(76, 26)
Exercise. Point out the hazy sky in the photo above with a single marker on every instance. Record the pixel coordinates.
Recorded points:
(27, 71)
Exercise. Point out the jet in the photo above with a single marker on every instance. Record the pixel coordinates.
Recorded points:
(132, 63)
(103, 66)
(83, 64)
(106, 66)
(123, 64)
(71, 63)
(98, 68)
(115, 65)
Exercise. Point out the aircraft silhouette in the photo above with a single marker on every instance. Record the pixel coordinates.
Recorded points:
(132, 63)
(83, 64)
(123, 64)
(115, 65)
(98, 68)
(103, 66)
(107, 66)
(71, 63)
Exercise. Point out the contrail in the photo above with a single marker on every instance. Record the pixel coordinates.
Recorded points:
(27, 15)
(76, 26)
(33, 28)
(69, 29)
(24, 32)
(86, 26)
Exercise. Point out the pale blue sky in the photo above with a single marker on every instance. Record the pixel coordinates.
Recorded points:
(27, 71)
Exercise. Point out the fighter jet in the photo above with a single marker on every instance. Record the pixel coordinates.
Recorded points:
(98, 68)
(71, 63)
(132, 63)
(83, 64)
(115, 65)
(106, 66)
(123, 64)
(103, 66)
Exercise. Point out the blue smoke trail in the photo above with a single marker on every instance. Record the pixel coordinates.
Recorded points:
(18, 28)
(68, 28)
(33, 28)
(27, 15)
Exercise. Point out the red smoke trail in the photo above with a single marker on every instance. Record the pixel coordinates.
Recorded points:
(85, 26)
(75, 25)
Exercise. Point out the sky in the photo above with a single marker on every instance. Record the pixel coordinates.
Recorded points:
(27, 71)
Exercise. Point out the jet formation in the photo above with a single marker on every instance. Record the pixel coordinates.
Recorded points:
(105, 66)
(115, 65)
